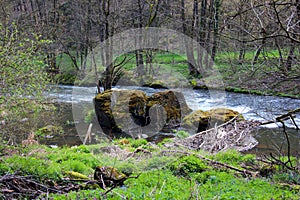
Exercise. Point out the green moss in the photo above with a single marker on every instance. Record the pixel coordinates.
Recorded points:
(139, 142)
(201, 120)
(49, 130)
(233, 157)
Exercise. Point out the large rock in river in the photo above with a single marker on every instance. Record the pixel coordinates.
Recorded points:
(132, 113)
(114, 108)
(201, 120)
(174, 105)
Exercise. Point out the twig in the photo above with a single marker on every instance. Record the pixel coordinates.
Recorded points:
(88, 134)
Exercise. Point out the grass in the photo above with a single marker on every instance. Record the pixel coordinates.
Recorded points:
(161, 175)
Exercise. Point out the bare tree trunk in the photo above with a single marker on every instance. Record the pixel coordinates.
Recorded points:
(260, 48)
(291, 57)
(217, 5)
(138, 53)
(188, 46)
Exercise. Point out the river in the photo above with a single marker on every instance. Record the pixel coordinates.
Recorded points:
(253, 107)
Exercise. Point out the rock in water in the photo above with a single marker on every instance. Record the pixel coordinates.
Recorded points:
(120, 109)
(201, 120)
(174, 105)
(131, 113)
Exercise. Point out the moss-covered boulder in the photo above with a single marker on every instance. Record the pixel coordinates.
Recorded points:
(116, 109)
(174, 105)
(49, 131)
(131, 113)
(201, 120)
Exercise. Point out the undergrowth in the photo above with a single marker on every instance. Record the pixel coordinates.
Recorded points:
(156, 173)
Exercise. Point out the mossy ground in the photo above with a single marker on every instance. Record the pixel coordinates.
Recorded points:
(163, 173)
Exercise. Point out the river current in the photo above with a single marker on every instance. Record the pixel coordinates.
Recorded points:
(253, 107)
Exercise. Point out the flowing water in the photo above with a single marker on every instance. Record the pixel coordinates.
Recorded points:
(78, 100)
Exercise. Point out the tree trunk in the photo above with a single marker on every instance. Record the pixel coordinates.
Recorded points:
(260, 48)
(217, 5)
(138, 53)
(188, 46)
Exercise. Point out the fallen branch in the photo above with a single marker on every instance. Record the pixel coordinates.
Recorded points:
(244, 172)
(284, 117)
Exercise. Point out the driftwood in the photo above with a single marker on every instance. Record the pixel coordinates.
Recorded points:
(229, 135)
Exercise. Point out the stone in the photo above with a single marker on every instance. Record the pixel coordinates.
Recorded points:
(202, 120)
(123, 113)
(114, 108)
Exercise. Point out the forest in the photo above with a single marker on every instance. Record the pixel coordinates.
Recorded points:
(149, 99)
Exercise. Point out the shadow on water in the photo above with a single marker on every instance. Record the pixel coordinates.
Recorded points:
(273, 140)
(61, 116)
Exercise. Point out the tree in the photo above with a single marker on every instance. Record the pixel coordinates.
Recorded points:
(23, 76)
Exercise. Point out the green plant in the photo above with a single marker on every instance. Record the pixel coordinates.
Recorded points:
(187, 165)
(231, 156)
(23, 75)
(89, 116)
(182, 134)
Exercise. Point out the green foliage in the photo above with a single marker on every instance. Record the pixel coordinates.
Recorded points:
(161, 176)
(65, 78)
(187, 165)
(23, 75)
(231, 156)
(133, 143)
(287, 177)
(221, 185)
(139, 142)
(160, 162)
(155, 185)
(89, 116)
(50, 163)
(182, 134)
(83, 194)
(33, 166)
(128, 168)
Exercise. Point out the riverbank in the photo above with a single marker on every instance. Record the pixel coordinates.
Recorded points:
(155, 171)
(236, 75)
